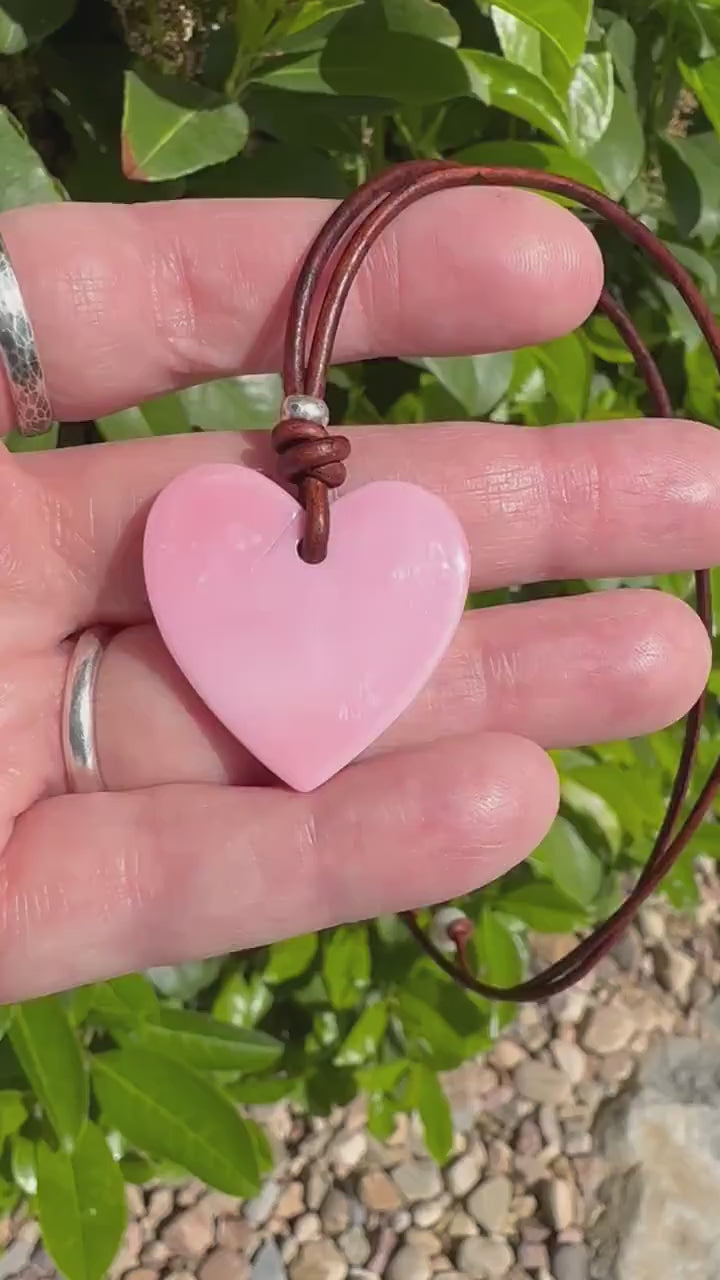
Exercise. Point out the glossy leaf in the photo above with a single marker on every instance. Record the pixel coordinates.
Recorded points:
(172, 127)
(476, 382)
(497, 951)
(168, 1110)
(23, 1163)
(81, 1205)
(398, 66)
(127, 999)
(542, 906)
(290, 958)
(242, 1000)
(48, 1050)
(704, 80)
(691, 170)
(563, 22)
(23, 177)
(565, 858)
(26, 22)
(435, 1115)
(532, 155)
(498, 83)
(160, 417)
(590, 100)
(618, 154)
(346, 965)
(184, 981)
(13, 1113)
(364, 1038)
(234, 404)
(204, 1042)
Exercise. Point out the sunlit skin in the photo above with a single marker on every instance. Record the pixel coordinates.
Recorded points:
(174, 863)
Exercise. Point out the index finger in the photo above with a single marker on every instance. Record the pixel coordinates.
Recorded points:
(131, 301)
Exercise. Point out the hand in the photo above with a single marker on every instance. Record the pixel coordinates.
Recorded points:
(172, 863)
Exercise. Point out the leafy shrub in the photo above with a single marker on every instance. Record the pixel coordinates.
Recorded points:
(148, 1075)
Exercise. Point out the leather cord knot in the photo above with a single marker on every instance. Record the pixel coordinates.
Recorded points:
(306, 451)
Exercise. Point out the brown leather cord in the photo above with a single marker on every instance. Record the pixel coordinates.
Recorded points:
(314, 460)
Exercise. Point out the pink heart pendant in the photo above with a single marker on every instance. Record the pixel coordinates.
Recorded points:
(305, 664)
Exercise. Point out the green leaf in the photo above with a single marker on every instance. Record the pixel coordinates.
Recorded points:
(563, 22)
(619, 154)
(704, 80)
(26, 22)
(434, 1110)
(588, 805)
(13, 1113)
(381, 1116)
(81, 1205)
(23, 177)
(691, 171)
(568, 370)
(498, 83)
(290, 958)
(127, 999)
(346, 965)
(184, 981)
(172, 127)
(169, 1111)
(364, 1038)
(234, 404)
(397, 66)
(242, 1000)
(476, 382)
(162, 416)
(23, 1163)
(565, 858)
(47, 1047)
(590, 100)
(206, 1043)
(531, 155)
(497, 950)
(429, 1036)
(424, 18)
(542, 906)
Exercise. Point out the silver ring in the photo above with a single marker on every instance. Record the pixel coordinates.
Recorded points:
(19, 354)
(78, 713)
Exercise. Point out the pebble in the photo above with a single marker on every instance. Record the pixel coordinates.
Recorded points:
(291, 1201)
(461, 1225)
(155, 1254)
(259, 1209)
(319, 1260)
(528, 1139)
(410, 1263)
(557, 1201)
(307, 1227)
(346, 1152)
(523, 1207)
(652, 923)
(145, 1273)
(484, 1259)
(426, 1240)
(335, 1212)
(532, 1256)
(429, 1212)
(401, 1221)
(675, 971)
(609, 1028)
(237, 1233)
(224, 1264)
(191, 1233)
(355, 1245)
(316, 1188)
(541, 1082)
(464, 1173)
(417, 1180)
(378, 1192)
(570, 1059)
(507, 1055)
(500, 1157)
(570, 1262)
(489, 1204)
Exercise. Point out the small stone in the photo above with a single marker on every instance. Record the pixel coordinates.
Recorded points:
(616, 1067)
(507, 1055)
(409, 1263)
(558, 1204)
(609, 1028)
(317, 1187)
(218, 1204)
(528, 1140)
(551, 947)
(534, 1232)
(291, 1201)
(549, 1126)
(191, 1233)
(355, 1245)
(319, 1260)
(335, 1212)
(160, 1205)
(464, 1174)
(290, 1248)
(417, 1180)
(675, 971)
(534, 1257)
(307, 1227)
(140, 1273)
(154, 1254)
(461, 1225)
(628, 951)
(429, 1212)
(189, 1193)
(523, 1207)
(260, 1208)
(570, 1262)
(530, 1169)
(268, 1263)
(652, 923)
(569, 1058)
(484, 1259)
(346, 1152)
(236, 1233)
(379, 1193)
(570, 1006)
(128, 1256)
(425, 1240)
(489, 1204)
(500, 1157)
(224, 1264)
(540, 1082)
(135, 1200)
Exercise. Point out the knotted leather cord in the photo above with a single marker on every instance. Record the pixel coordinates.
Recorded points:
(314, 459)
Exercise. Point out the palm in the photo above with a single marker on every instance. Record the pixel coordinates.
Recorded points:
(168, 864)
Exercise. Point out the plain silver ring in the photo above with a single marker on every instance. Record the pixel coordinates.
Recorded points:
(78, 713)
(20, 355)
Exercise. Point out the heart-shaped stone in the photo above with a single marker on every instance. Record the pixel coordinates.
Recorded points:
(306, 664)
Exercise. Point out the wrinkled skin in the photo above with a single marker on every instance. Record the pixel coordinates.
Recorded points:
(173, 863)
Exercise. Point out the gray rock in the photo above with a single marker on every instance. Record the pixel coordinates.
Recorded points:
(335, 1212)
(609, 1028)
(464, 1173)
(484, 1259)
(15, 1257)
(489, 1203)
(662, 1137)
(417, 1180)
(260, 1208)
(355, 1245)
(319, 1260)
(570, 1262)
(410, 1263)
(268, 1263)
(540, 1082)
